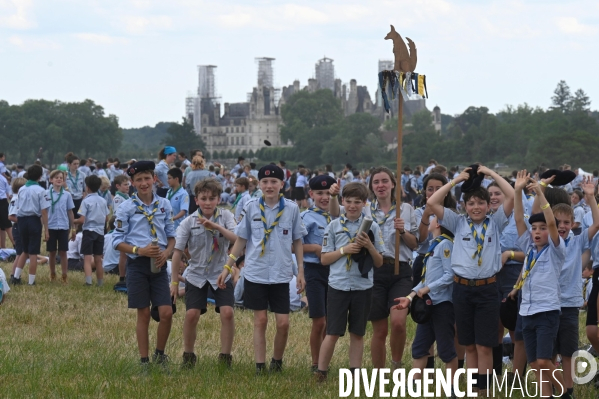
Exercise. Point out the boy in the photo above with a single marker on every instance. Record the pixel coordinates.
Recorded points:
(94, 214)
(323, 191)
(121, 194)
(16, 185)
(144, 217)
(104, 192)
(437, 280)
(545, 253)
(32, 216)
(207, 234)
(349, 289)
(476, 260)
(242, 185)
(179, 198)
(268, 227)
(110, 260)
(60, 222)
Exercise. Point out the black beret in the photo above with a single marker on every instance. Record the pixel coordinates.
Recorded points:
(140, 166)
(421, 309)
(562, 177)
(474, 181)
(271, 170)
(508, 313)
(156, 316)
(321, 182)
(537, 217)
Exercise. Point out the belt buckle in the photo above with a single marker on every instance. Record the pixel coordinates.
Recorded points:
(472, 283)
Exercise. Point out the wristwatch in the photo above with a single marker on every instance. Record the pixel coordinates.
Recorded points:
(135, 249)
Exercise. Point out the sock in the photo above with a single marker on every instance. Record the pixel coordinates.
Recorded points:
(430, 362)
(460, 363)
(498, 359)
(482, 381)
(88, 280)
(352, 369)
(18, 272)
(159, 352)
(121, 279)
(476, 381)
(31, 279)
(100, 282)
(145, 360)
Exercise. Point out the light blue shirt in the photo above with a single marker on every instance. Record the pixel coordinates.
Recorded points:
(439, 274)
(193, 178)
(133, 228)
(315, 225)
(541, 290)
(32, 200)
(94, 209)
(334, 238)
(76, 184)
(179, 202)
(388, 229)
(569, 278)
(58, 215)
(111, 255)
(579, 214)
(245, 197)
(85, 170)
(276, 265)
(107, 197)
(464, 245)
(509, 237)
(4, 187)
(161, 172)
(422, 247)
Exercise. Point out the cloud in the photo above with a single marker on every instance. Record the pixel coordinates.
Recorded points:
(14, 14)
(140, 24)
(32, 43)
(571, 25)
(100, 39)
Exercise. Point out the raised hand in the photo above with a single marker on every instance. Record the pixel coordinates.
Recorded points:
(522, 180)
(588, 186)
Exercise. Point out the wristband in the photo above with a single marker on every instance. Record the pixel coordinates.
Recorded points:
(174, 283)
(341, 250)
(135, 249)
(228, 268)
(426, 224)
(512, 254)
(543, 184)
(410, 298)
(233, 257)
(334, 196)
(516, 286)
(545, 206)
(452, 183)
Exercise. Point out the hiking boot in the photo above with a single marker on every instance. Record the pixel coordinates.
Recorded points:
(276, 366)
(226, 359)
(260, 368)
(64, 279)
(189, 360)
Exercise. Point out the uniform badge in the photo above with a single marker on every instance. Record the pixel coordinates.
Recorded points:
(446, 253)
(285, 232)
(324, 242)
(162, 210)
(119, 224)
(267, 172)
(324, 183)
(489, 239)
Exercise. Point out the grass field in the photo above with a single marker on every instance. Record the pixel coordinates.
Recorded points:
(71, 341)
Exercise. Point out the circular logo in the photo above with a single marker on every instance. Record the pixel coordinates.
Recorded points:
(267, 172)
(131, 171)
(583, 366)
(324, 183)
(429, 302)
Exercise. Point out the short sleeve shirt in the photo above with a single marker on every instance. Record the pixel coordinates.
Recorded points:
(32, 200)
(94, 209)
(179, 202)
(315, 224)
(58, 212)
(76, 184)
(388, 231)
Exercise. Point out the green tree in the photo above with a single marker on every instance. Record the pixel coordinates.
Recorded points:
(561, 97)
(182, 136)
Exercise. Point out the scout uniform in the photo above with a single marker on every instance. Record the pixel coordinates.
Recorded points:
(76, 185)
(179, 200)
(119, 198)
(58, 219)
(94, 209)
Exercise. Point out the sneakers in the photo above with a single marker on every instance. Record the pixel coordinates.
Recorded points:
(260, 368)
(314, 368)
(320, 376)
(87, 285)
(276, 366)
(226, 359)
(189, 360)
(15, 281)
(161, 359)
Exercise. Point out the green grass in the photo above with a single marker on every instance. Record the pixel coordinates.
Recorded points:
(71, 341)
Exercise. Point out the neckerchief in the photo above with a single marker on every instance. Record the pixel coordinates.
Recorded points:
(149, 216)
(584, 288)
(529, 263)
(567, 241)
(348, 259)
(170, 193)
(103, 194)
(480, 239)
(31, 183)
(110, 231)
(268, 230)
(52, 196)
(214, 233)
(321, 212)
(431, 249)
(76, 178)
(124, 196)
(237, 200)
(373, 205)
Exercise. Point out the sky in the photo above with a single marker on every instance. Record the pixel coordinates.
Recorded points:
(139, 58)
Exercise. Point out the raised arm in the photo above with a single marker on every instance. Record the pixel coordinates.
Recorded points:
(547, 212)
(521, 181)
(588, 187)
(435, 202)
(506, 188)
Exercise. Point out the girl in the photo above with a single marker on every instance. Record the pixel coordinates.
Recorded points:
(167, 156)
(75, 181)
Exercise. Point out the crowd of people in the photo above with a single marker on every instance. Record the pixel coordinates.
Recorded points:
(478, 253)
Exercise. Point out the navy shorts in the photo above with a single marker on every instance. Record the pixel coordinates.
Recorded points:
(266, 296)
(567, 333)
(17, 238)
(476, 314)
(317, 284)
(145, 288)
(5, 223)
(592, 302)
(58, 239)
(439, 328)
(92, 243)
(77, 203)
(388, 286)
(507, 277)
(30, 231)
(347, 310)
(197, 298)
(540, 332)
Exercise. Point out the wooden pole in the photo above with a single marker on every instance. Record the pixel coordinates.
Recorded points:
(398, 177)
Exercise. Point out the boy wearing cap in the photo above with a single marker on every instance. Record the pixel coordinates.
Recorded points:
(476, 259)
(139, 220)
(268, 228)
(94, 215)
(437, 281)
(545, 254)
(207, 233)
(324, 192)
(32, 215)
(350, 284)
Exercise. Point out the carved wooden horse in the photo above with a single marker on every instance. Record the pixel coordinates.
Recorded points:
(404, 61)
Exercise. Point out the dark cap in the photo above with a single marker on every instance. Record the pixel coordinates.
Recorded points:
(508, 313)
(537, 217)
(156, 316)
(267, 143)
(321, 182)
(562, 177)
(474, 180)
(271, 170)
(141, 166)
(421, 309)
(240, 159)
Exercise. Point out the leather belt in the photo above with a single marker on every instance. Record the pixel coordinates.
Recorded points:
(474, 282)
